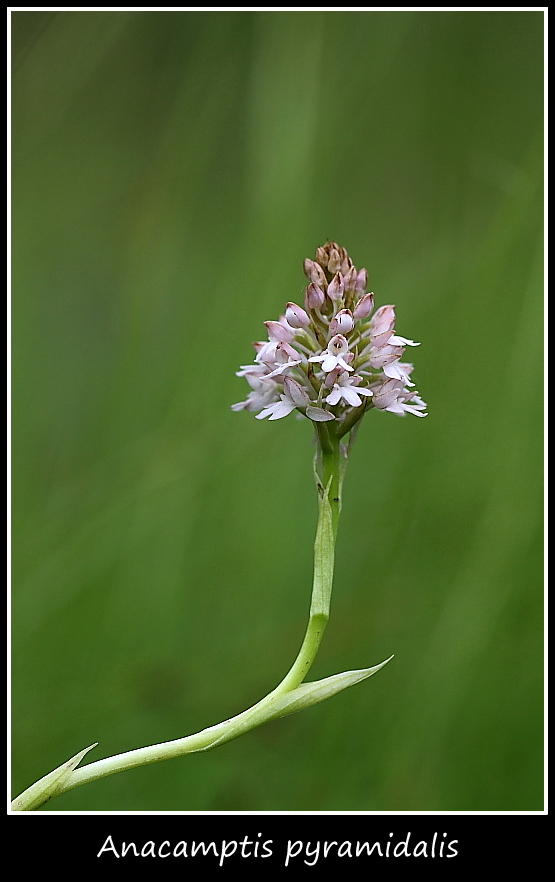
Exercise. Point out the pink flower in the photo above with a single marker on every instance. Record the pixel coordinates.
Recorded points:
(334, 355)
(345, 387)
(392, 396)
(293, 397)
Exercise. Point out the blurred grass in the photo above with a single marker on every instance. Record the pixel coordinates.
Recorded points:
(170, 173)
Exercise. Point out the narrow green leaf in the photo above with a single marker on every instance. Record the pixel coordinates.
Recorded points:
(44, 789)
(308, 694)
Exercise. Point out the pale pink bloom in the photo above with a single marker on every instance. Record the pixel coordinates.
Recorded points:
(278, 332)
(399, 370)
(334, 355)
(262, 394)
(285, 357)
(346, 388)
(402, 407)
(265, 352)
(278, 410)
(251, 369)
(392, 396)
(294, 396)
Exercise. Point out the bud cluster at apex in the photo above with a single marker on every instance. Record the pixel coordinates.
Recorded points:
(333, 355)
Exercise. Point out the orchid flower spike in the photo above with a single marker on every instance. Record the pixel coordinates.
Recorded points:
(335, 358)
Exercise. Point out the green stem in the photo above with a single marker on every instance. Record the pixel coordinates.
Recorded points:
(330, 465)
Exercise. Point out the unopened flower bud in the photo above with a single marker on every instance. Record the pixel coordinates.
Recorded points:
(315, 273)
(362, 281)
(307, 267)
(336, 287)
(349, 280)
(321, 257)
(364, 307)
(334, 262)
(296, 316)
(333, 258)
(314, 297)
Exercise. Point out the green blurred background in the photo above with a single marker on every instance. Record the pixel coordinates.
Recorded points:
(170, 172)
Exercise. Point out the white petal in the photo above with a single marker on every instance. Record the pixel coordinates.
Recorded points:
(396, 371)
(413, 410)
(282, 409)
(340, 360)
(334, 396)
(397, 340)
(329, 362)
(281, 369)
(351, 397)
